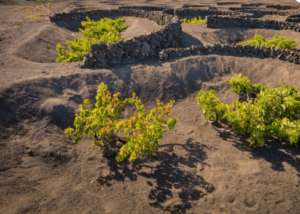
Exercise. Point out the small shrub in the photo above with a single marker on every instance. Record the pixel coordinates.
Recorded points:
(281, 42)
(242, 85)
(212, 107)
(270, 113)
(106, 31)
(194, 21)
(139, 133)
(276, 41)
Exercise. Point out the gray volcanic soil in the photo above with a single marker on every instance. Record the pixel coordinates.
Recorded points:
(200, 168)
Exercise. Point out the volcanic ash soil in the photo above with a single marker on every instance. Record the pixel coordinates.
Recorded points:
(200, 168)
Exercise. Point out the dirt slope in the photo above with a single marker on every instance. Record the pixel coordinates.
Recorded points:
(199, 168)
(196, 170)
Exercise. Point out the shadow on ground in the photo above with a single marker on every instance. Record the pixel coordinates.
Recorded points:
(189, 40)
(172, 174)
(232, 35)
(273, 152)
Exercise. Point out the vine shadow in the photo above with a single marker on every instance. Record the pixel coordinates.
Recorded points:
(274, 152)
(188, 40)
(172, 174)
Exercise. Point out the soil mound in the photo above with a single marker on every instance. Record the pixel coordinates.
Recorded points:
(201, 35)
(41, 47)
(138, 27)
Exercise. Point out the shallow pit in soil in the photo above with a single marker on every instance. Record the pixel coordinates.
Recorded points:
(41, 46)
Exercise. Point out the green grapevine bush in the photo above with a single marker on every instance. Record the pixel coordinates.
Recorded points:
(212, 107)
(195, 20)
(242, 85)
(103, 121)
(106, 30)
(272, 113)
(276, 41)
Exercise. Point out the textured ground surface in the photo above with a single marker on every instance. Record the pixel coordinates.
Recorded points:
(199, 169)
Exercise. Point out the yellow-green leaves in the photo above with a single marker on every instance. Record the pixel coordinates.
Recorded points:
(105, 31)
(276, 41)
(212, 107)
(287, 130)
(246, 119)
(194, 21)
(240, 83)
(143, 129)
(270, 113)
(171, 123)
(105, 120)
(243, 86)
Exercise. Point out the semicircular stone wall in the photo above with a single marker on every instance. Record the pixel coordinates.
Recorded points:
(165, 44)
(130, 51)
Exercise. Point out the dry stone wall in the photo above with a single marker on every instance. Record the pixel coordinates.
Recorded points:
(146, 8)
(165, 43)
(136, 49)
(292, 56)
(258, 13)
(195, 12)
(293, 18)
(72, 20)
(244, 22)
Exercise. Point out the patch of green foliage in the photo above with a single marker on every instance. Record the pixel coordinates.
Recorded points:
(106, 31)
(105, 122)
(276, 41)
(194, 21)
(266, 113)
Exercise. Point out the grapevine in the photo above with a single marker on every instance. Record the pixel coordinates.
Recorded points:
(106, 31)
(194, 21)
(264, 113)
(104, 121)
(276, 41)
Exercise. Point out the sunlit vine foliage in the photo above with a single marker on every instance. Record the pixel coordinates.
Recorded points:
(105, 122)
(276, 41)
(195, 20)
(262, 113)
(106, 31)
